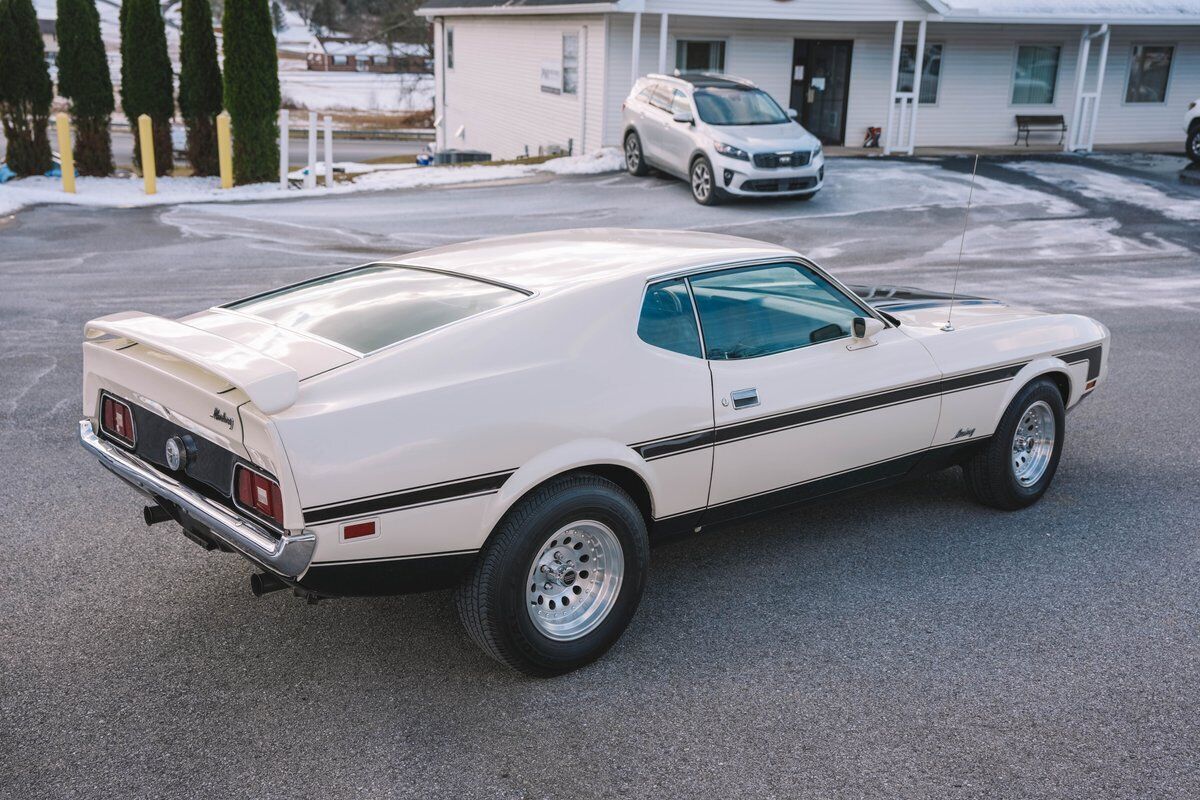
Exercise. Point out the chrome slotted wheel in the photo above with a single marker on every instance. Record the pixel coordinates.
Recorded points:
(1033, 444)
(633, 154)
(575, 580)
(701, 181)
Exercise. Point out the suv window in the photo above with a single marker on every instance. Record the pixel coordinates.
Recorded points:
(661, 98)
(668, 320)
(757, 311)
(679, 103)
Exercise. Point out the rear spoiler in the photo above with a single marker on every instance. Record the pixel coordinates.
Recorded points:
(270, 384)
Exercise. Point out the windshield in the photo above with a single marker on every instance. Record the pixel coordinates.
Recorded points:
(738, 107)
(375, 306)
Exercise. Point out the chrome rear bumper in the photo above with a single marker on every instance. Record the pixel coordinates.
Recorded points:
(287, 556)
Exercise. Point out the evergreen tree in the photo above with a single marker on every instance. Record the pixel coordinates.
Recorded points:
(278, 18)
(25, 89)
(147, 85)
(83, 78)
(252, 89)
(199, 86)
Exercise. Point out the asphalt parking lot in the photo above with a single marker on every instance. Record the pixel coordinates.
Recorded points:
(898, 644)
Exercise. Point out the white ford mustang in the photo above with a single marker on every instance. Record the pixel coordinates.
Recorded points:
(520, 417)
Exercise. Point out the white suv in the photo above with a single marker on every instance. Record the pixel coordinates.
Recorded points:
(723, 135)
(1191, 123)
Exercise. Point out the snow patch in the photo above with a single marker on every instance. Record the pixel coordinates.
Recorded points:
(1107, 187)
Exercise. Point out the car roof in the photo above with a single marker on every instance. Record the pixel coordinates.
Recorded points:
(706, 80)
(568, 259)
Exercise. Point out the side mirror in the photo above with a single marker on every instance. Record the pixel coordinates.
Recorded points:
(793, 113)
(863, 331)
(684, 116)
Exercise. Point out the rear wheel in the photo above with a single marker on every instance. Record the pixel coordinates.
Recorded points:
(635, 162)
(704, 183)
(561, 578)
(1016, 466)
(1193, 144)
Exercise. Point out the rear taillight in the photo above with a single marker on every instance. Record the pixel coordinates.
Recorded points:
(258, 494)
(116, 419)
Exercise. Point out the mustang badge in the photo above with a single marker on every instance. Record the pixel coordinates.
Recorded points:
(221, 416)
(964, 432)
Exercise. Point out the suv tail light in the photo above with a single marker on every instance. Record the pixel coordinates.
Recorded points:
(258, 494)
(116, 419)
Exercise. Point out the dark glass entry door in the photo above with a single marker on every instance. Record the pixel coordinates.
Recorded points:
(821, 87)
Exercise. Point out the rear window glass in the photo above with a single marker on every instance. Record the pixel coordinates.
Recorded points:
(374, 306)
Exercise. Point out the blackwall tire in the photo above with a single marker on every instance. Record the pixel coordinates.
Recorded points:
(635, 159)
(1193, 144)
(1016, 466)
(703, 182)
(506, 602)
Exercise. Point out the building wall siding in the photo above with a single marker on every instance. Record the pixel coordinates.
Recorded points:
(493, 94)
(796, 9)
(974, 96)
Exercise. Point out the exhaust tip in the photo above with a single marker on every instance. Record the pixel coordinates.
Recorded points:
(155, 514)
(264, 583)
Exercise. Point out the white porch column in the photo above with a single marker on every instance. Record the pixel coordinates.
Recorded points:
(1085, 45)
(662, 45)
(1103, 65)
(635, 67)
(916, 99)
(891, 92)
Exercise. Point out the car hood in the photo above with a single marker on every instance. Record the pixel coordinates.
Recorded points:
(785, 136)
(920, 308)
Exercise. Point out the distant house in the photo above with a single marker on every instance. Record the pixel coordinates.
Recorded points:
(49, 32)
(343, 54)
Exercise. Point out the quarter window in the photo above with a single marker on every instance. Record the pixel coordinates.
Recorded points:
(668, 319)
(757, 311)
(1149, 70)
(699, 56)
(931, 71)
(1036, 74)
(570, 63)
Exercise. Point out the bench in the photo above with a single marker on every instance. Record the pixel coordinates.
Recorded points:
(1027, 123)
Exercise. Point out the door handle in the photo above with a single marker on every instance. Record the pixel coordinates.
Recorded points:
(744, 398)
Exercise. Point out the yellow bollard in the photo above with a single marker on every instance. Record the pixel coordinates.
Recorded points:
(146, 137)
(65, 158)
(225, 150)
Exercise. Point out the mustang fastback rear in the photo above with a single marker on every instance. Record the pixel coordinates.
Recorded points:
(519, 417)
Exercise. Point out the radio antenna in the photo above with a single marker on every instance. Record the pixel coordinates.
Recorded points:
(961, 242)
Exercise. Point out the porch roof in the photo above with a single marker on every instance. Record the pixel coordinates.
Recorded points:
(1129, 12)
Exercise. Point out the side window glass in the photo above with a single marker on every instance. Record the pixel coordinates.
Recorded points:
(757, 311)
(668, 320)
(679, 103)
(661, 97)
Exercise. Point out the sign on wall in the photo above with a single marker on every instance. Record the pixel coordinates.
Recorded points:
(552, 77)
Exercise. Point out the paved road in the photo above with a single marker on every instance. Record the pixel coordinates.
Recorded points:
(898, 644)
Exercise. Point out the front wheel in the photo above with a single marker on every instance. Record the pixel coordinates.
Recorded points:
(1017, 465)
(560, 579)
(704, 183)
(1193, 144)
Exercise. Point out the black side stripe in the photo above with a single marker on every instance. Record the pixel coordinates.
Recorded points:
(697, 440)
(1091, 354)
(409, 498)
(393, 558)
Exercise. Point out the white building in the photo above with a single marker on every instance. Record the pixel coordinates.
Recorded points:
(514, 76)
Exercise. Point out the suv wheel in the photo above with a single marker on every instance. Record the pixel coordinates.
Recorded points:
(704, 183)
(1193, 144)
(560, 579)
(635, 162)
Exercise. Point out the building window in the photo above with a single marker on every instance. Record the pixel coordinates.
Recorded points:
(1149, 69)
(931, 71)
(697, 56)
(570, 63)
(1036, 74)
(339, 61)
(380, 61)
(449, 48)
